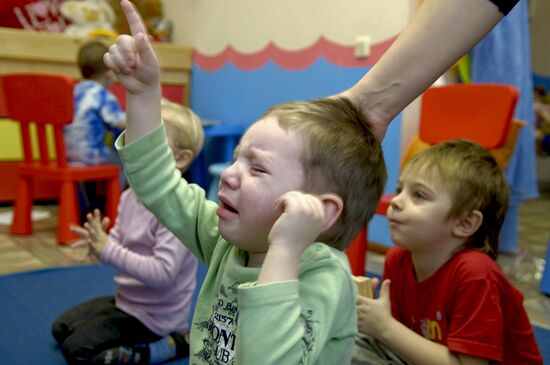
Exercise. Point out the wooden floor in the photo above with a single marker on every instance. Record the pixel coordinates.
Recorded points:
(37, 251)
(40, 250)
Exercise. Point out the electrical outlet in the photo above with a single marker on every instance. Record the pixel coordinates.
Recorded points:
(362, 46)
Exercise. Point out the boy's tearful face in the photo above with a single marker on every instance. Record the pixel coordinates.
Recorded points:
(267, 165)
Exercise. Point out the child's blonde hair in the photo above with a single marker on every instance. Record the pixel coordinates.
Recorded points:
(188, 126)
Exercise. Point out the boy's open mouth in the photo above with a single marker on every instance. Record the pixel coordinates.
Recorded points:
(225, 205)
(230, 208)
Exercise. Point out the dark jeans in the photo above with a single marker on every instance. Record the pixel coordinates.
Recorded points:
(88, 329)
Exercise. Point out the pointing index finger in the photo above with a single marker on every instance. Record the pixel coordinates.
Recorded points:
(133, 18)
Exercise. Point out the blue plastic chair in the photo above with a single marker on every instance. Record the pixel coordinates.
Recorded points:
(215, 170)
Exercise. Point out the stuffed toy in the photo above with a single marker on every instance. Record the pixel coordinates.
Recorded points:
(159, 27)
(89, 18)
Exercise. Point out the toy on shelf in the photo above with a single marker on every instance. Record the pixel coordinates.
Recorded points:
(89, 18)
(158, 26)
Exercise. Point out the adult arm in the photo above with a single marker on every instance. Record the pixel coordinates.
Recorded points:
(439, 34)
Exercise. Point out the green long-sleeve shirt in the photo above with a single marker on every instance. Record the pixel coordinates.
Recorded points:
(311, 320)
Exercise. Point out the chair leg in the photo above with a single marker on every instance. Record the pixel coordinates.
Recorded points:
(22, 222)
(111, 202)
(357, 253)
(69, 212)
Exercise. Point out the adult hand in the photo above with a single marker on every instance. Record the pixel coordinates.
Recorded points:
(362, 98)
(422, 52)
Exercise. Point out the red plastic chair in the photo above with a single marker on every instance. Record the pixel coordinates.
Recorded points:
(47, 102)
(479, 112)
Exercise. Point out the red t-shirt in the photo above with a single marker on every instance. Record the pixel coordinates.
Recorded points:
(468, 305)
(42, 15)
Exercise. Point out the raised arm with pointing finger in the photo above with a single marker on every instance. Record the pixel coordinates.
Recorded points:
(136, 66)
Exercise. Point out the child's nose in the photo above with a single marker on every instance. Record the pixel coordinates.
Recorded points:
(395, 202)
(229, 176)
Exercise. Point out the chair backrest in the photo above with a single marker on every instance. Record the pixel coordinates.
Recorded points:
(479, 112)
(45, 100)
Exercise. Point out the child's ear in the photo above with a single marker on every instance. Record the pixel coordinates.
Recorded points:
(333, 205)
(183, 158)
(468, 225)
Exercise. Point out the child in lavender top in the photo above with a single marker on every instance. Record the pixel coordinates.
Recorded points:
(147, 320)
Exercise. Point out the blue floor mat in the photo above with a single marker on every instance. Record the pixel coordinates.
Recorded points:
(543, 339)
(31, 301)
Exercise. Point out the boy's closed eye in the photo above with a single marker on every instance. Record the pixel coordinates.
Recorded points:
(256, 169)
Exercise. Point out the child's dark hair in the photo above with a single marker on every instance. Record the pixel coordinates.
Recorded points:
(341, 155)
(475, 182)
(90, 59)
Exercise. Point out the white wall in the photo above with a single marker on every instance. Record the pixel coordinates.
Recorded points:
(248, 25)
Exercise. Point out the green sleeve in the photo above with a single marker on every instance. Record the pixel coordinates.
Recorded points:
(307, 321)
(179, 206)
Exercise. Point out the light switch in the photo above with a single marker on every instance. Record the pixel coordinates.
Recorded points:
(362, 46)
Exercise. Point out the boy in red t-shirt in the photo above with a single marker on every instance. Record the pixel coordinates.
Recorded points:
(449, 302)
